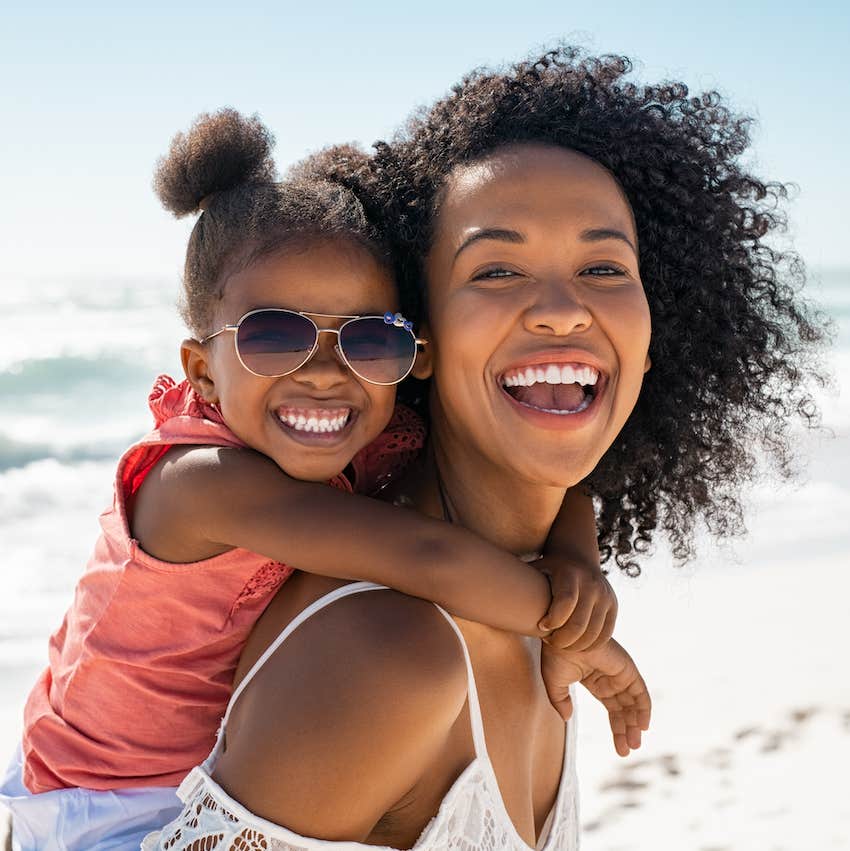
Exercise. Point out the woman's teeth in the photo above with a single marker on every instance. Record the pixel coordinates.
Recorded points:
(551, 374)
(320, 421)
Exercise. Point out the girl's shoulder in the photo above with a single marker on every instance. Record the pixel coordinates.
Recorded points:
(165, 514)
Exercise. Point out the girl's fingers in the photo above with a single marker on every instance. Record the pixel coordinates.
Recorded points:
(561, 699)
(627, 737)
(590, 638)
(573, 629)
(618, 730)
(564, 707)
(644, 711)
(607, 631)
(560, 609)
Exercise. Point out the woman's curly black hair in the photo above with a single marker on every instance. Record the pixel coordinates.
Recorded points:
(734, 347)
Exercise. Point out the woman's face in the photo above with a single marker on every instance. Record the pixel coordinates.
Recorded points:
(538, 322)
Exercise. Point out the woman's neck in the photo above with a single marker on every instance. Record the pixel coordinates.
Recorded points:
(494, 503)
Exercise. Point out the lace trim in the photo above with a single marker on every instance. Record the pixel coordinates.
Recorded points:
(265, 582)
(468, 820)
(389, 454)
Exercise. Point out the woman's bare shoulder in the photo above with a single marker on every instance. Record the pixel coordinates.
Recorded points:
(346, 716)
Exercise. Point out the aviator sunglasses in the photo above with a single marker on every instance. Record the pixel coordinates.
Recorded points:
(273, 342)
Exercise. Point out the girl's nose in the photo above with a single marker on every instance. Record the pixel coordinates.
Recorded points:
(326, 368)
(558, 309)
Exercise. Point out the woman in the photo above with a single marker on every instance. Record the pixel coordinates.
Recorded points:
(536, 193)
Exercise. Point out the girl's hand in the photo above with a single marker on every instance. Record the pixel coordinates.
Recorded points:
(612, 677)
(583, 610)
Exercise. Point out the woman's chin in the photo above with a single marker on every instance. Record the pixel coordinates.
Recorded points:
(557, 467)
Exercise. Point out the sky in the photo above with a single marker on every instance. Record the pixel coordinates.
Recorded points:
(93, 92)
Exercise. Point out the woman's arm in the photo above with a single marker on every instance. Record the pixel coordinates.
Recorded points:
(198, 502)
(306, 757)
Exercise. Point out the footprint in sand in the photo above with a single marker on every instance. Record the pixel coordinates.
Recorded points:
(719, 758)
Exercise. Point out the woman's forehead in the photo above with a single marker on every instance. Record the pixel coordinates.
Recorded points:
(534, 181)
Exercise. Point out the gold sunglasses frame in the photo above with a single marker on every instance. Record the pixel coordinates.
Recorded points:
(337, 348)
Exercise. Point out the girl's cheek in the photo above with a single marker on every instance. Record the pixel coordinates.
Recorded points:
(383, 405)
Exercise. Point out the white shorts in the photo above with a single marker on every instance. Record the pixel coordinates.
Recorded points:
(83, 819)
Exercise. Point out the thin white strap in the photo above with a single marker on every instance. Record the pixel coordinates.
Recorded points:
(472, 692)
(333, 596)
(318, 605)
(343, 591)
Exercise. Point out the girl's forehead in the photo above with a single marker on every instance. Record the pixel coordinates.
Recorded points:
(330, 276)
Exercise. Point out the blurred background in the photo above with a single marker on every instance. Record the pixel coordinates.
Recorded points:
(744, 648)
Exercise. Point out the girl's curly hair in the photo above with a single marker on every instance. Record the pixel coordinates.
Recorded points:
(733, 346)
(223, 168)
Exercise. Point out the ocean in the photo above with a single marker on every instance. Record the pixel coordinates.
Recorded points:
(77, 361)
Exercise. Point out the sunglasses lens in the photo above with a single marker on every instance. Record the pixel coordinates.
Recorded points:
(274, 342)
(380, 353)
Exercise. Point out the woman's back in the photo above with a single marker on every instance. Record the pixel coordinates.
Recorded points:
(377, 742)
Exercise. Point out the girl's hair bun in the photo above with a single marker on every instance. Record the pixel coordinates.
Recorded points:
(220, 151)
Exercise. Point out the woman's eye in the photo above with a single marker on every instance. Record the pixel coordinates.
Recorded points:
(604, 271)
(493, 274)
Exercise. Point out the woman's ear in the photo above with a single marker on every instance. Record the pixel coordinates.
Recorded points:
(195, 358)
(423, 367)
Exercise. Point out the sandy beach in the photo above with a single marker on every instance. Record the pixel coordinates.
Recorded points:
(751, 730)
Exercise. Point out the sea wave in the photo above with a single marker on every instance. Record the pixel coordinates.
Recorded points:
(17, 453)
(92, 295)
(35, 376)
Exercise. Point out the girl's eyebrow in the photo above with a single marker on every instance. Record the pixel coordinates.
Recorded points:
(499, 234)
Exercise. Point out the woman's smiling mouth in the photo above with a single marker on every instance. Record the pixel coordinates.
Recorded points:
(562, 389)
(554, 393)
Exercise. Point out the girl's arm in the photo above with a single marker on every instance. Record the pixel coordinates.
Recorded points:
(198, 502)
(584, 606)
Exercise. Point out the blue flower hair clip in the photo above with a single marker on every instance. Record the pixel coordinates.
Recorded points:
(398, 320)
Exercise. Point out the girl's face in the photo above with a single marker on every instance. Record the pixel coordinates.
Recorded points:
(538, 322)
(336, 277)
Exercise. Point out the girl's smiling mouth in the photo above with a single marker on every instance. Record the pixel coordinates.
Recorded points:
(316, 425)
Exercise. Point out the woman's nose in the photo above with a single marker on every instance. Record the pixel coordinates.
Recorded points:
(325, 369)
(558, 309)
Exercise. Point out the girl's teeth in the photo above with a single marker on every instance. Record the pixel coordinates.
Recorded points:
(323, 423)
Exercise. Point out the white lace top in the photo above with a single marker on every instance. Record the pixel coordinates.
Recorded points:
(471, 817)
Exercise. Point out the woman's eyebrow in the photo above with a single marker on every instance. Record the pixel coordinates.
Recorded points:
(499, 234)
(600, 234)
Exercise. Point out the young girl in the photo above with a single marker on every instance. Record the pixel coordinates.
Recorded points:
(298, 348)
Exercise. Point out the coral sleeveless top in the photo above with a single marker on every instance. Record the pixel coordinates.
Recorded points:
(471, 817)
(141, 670)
